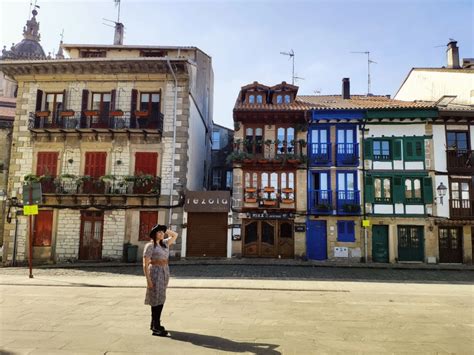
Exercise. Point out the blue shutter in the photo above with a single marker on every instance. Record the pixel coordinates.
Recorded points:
(345, 231)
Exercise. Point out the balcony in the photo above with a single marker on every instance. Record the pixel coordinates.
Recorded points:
(348, 202)
(320, 202)
(460, 161)
(320, 154)
(269, 197)
(92, 119)
(347, 154)
(462, 208)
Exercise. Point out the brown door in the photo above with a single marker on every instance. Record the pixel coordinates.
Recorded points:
(268, 239)
(450, 245)
(43, 229)
(90, 245)
(260, 238)
(207, 235)
(285, 240)
(251, 238)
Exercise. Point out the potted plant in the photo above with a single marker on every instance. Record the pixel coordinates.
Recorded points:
(247, 158)
(91, 112)
(47, 183)
(67, 113)
(250, 189)
(250, 200)
(287, 201)
(292, 158)
(141, 113)
(323, 207)
(42, 113)
(116, 113)
(287, 190)
(144, 183)
(31, 178)
(68, 183)
(269, 202)
(234, 157)
(108, 178)
(350, 207)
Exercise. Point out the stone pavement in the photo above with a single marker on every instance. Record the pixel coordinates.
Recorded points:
(96, 312)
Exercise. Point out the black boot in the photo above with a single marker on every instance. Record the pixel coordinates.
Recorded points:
(156, 327)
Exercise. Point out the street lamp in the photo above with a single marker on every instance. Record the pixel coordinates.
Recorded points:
(441, 190)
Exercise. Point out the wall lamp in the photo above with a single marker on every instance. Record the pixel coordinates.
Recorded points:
(441, 190)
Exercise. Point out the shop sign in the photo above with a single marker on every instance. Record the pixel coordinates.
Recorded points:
(207, 201)
(300, 227)
(270, 215)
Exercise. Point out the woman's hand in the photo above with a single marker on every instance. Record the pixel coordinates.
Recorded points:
(149, 284)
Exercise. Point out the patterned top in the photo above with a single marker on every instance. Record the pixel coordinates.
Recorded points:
(159, 274)
(158, 252)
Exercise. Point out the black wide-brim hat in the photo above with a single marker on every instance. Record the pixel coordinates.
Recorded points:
(158, 228)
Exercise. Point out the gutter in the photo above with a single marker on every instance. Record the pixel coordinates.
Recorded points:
(173, 154)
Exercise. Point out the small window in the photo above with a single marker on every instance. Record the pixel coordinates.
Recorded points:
(216, 179)
(153, 53)
(381, 150)
(383, 191)
(414, 149)
(413, 190)
(279, 99)
(251, 99)
(228, 180)
(216, 135)
(345, 231)
(92, 54)
(259, 99)
(287, 99)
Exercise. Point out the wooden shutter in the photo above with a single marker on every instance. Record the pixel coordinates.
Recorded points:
(409, 150)
(39, 100)
(133, 105)
(397, 150)
(369, 189)
(398, 189)
(427, 189)
(345, 231)
(146, 163)
(95, 164)
(47, 163)
(368, 151)
(113, 96)
(43, 229)
(148, 219)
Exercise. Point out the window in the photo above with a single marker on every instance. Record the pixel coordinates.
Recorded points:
(47, 163)
(228, 180)
(43, 229)
(146, 163)
(279, 99)
(251, 99)
(345, 231)
(381, 150)
(457, 140)
(287, 99)
(413, 190)
(216, 179)
(216, 135)
(414, 149)
(102, 102)
(153, 53)
(383, 190)
(286, 140)
(460, 194)
(92, 54)
(148, 219)
(150, 102)
(259, 99)
(95, 164)
(54, 103)
(254, 140)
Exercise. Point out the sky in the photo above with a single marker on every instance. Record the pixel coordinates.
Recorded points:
(245, 38)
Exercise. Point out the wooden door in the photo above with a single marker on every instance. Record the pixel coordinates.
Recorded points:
(90, 245)
(43, 229)
(286, 247)
(450, 245)
(410, 243)
(268, 238)
(207, 235)
(251, 238)
(380, 244)
(316, 240)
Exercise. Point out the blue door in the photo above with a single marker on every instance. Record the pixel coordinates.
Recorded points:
(316, 240)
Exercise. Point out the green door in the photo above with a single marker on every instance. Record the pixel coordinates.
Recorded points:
(380, 244)
(410, 243)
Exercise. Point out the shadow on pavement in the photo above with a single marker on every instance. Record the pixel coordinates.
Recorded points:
(218, 343)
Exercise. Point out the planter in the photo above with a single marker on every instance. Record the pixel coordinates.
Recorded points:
(42, 113)
(116, 113)
(287, 191)
(263, 161)
(269, 202)
(141, 113)
(250, 189)
(248, 161)
(67, 113)
(251, 200)
(293, 161)
(269, 189)
(287, 201)
(91, 112)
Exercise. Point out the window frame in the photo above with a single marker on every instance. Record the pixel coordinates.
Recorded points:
(101, 102)
(283, 145)
(346, 237)
(149, 105)
(413, 199)
(414, 156)
(382, 157)
(257, 149)
(382, 199)
(216, 141)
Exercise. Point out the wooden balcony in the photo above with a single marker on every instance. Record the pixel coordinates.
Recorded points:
(462, 209)
(460, 161)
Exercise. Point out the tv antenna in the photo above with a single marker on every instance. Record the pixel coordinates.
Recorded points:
(117, 4)
(291, 55)
(369, 61)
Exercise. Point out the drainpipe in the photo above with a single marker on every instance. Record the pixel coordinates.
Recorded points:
(174, 138)
(363, 184)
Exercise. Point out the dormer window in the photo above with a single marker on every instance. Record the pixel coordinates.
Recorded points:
(279, 99)
(259, 99)
(251, 99)
(287, 99)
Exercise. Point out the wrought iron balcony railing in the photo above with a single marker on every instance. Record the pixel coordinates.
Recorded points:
(320, 202)
(348, 201)
(320, 154)
(347, 154)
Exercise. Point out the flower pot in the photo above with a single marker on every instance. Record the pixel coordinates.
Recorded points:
(293, 161)
(287, 190)
(68, 113)
(269, 202)
(141, 113)
(91, 112)
(269, 189)
(248, 160)
(116, 113)
(42, 113)
(250, 189)
(250, 200)
(263, 161)
(287, 201)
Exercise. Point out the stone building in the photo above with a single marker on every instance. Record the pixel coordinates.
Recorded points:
(108, 133)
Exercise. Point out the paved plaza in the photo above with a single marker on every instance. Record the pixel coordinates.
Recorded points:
(237, 309)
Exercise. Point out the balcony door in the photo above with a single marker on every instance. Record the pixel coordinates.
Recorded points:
(47, 169)
(320, 194)
(346, 148)
(320, 146)
(461, 198)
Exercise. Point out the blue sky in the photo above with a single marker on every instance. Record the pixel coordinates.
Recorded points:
(245, 38)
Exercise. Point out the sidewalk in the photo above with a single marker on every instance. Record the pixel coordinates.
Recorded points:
(271, 262)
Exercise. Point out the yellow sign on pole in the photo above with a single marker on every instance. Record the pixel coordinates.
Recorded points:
(30, 210)
(365, 223)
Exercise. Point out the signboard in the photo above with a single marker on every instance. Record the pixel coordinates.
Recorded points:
(270, 215)
(365, 223)
(32, 192)
(29, 210)
(207, 201)
(300, 228)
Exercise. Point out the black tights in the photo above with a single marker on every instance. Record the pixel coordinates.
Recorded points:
(156, 314)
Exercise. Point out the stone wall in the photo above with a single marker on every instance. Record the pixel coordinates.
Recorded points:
(68, 234)
(114, 234)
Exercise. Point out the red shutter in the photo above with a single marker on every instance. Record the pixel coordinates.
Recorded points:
(148, 219)
(95, 164)
(146, 163)
(47, 163)
(113, 96)
(39, 100)
(43, 229)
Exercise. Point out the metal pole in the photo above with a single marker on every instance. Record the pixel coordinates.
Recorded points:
(365, 245)
(14, 239)
(30, 258)
(293, 72)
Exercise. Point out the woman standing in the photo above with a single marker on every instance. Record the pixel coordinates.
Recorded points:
(157, 273)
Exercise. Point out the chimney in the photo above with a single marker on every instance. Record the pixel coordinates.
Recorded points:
(346, 89)
(453, 55)
(118, 37)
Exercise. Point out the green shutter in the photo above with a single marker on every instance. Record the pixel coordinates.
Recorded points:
(398, 190)
(397, 150)
(368, 152)
(428, 189)
(369, 189)
(408, 150)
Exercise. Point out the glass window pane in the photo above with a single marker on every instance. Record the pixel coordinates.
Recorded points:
(377, 148)
(323, 181)
(265, 181)
(259, 99)
(145, 98)
(279, 99)
(254, 180)
(258, 132)
(408, 188)
(386, 188)
(50, 98)
(349, 136)
(249, 132)
(341, 137)
(315, 136)
(350, 181)
(341, 181)
(417, 188)
(324, 136)
(283, 180)
(287, 99)
(291, 179)
(451, 138)
(107, 97)
(251, 99)
(247, 180)
(378, 188)
(155, 98)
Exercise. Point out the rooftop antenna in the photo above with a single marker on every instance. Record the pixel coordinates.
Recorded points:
(291, 55)
(117, 4)
(369, 61)
(298, 78)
